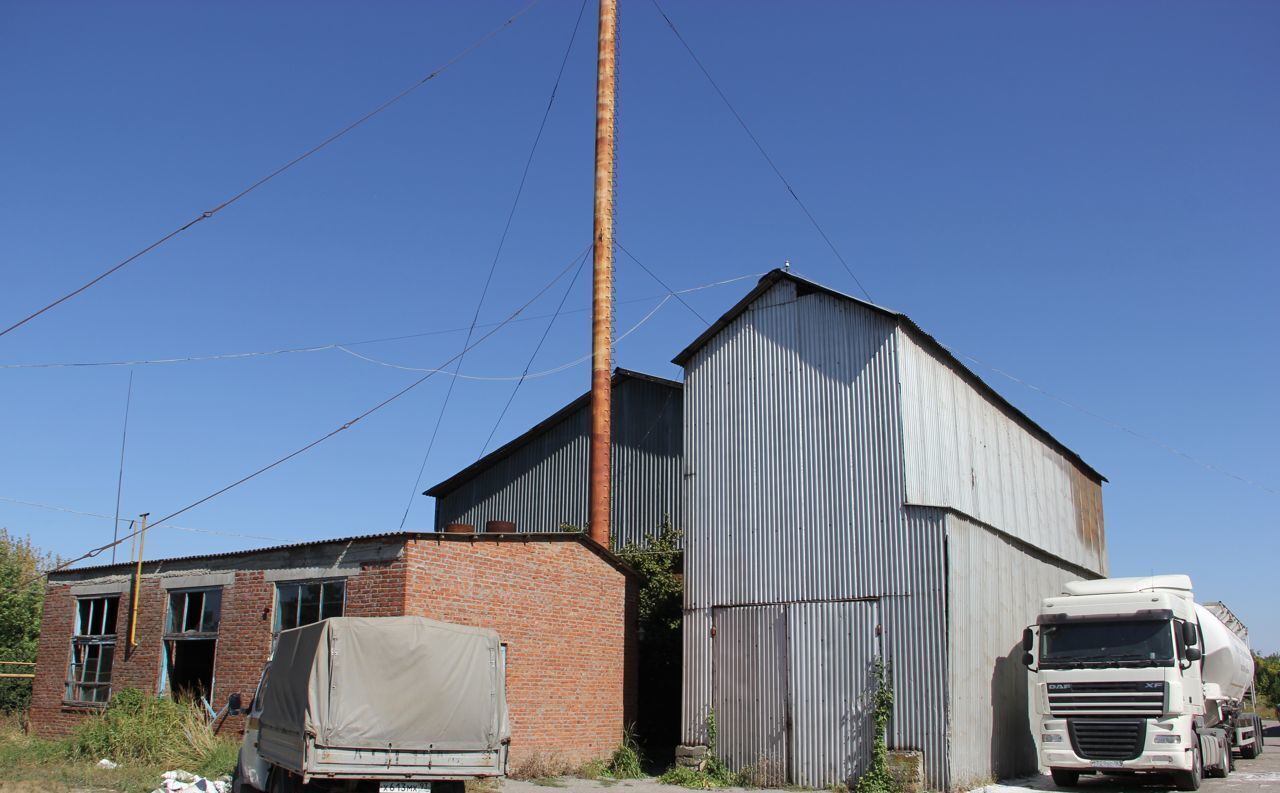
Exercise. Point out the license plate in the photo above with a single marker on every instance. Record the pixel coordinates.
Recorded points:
(404, 787)
(1108, 764)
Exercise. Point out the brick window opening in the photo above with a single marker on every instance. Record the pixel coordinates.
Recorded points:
(305, 602)
(191, 642)
(93, 649)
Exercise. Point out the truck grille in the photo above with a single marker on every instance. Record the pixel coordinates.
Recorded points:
(1107, 739)
(1142, 698)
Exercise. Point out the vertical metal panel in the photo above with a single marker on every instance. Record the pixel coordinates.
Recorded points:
(749, 661)
(542, 485)
(914, 620)
(994, 589)
(794, 493)
(965, 452)
(791, 440)
(832, 653)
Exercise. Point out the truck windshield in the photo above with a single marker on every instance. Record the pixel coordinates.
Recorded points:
(1088, 643)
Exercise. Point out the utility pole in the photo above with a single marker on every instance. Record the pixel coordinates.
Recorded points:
(602, 278)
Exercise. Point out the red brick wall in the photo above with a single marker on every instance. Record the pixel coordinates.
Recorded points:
(565, 614)
(244, 640)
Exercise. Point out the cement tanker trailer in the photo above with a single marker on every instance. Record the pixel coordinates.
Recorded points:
(1133, 677)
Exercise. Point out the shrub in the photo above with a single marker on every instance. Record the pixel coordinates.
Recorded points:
(626, 762)
(136, 728)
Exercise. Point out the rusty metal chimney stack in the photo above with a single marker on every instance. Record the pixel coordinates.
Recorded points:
(602, 278)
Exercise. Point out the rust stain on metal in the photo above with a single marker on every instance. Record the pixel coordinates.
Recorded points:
(602, 278)
(1086, 495)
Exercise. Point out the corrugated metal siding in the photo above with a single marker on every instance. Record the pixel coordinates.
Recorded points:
(914, 614)
(794, 493)
(749, 662)
(831, 703)
(791, 444)
(543, 484)
(963, 452)
(994, 591)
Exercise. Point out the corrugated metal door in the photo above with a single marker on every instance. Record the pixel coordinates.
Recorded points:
(748, 687)
(832, 650)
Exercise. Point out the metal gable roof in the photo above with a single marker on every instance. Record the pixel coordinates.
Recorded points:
(805, 286)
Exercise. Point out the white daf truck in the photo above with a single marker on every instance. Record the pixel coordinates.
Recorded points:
(1131, 676)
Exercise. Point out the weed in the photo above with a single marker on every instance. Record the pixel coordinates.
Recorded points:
(877, 778)
(547, 781)
(627, 762)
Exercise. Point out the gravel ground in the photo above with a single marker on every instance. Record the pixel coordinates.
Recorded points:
(1262, 775)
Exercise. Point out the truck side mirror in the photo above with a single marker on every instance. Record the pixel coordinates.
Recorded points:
(1028, 639)
(1028, 659)
(1193, 654)
(233, 704)
(1189, 633)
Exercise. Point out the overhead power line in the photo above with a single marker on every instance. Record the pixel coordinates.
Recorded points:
(663, 284)
(309, 446)
(337, 345)
(533, 356)
(278, 171)
(760, 147)
(1117, 425)
(529, 376)
(493, 266)
(120, 520)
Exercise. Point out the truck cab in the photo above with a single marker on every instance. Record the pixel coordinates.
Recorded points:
(1121, 684)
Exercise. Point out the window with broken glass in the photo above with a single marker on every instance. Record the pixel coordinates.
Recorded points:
(93, 649)
(190, 642)
(305, 602)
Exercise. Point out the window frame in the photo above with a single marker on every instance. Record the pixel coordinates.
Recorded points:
(277, 621)
(81, 641)
(186, 593)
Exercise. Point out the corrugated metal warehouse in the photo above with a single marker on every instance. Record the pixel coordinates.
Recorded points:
(852, 490)
(539, 480)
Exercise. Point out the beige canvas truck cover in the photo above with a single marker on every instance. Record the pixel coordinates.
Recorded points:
(388, 683)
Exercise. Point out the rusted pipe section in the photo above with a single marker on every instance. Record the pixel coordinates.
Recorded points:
(459, 528)
(500, 527)
(602, 277)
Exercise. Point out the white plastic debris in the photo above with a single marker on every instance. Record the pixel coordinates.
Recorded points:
(105, 763)
(187, 782)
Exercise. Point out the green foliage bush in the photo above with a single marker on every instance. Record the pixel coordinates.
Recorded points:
(136, 728)
(1267, 678)
(21, 601)
(626, 762)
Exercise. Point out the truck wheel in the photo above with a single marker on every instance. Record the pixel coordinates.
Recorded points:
(1065, 777)
(1254, 749)
(1190, 780)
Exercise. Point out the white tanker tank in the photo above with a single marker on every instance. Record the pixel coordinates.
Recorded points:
(1227, 669)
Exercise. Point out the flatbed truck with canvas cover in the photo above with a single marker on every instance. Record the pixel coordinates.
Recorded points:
(377, 705)
(1131, 676)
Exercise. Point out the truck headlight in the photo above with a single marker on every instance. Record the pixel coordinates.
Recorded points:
(1168, 738)
(1051, 737)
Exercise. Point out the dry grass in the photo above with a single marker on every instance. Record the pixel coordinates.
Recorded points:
(540, 767)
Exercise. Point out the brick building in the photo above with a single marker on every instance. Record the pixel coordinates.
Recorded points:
(564, 607)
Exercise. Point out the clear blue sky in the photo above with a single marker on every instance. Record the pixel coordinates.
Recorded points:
(1082, 194)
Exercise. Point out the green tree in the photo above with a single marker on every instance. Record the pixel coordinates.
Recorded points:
(1267, 677)
(659, 564)
(21, 599)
